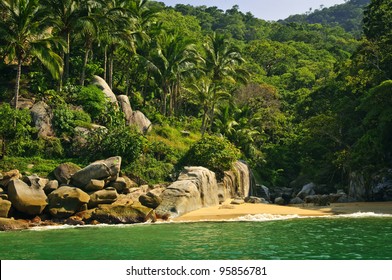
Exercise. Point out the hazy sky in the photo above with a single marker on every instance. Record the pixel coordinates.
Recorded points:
(264, 9)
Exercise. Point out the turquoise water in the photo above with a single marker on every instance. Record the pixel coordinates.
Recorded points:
(365, 238)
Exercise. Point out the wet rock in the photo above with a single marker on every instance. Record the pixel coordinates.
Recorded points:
(11, 224)
(30, 200)
(122, 214)
(66, 201)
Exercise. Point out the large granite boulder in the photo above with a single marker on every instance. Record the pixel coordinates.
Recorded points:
(35, 181)
(134, 118)
(122, 214)
(195, 188)
(101, 84)
(66, 201)
(107, 169)
(106, 196)
(5, 207)
(237, 182)
(11, 224)
(42, 118)
(306, 190)
(64, 172)
(30, 200)
(51, 186)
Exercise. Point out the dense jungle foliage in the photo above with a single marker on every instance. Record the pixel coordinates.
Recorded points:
(304, 99)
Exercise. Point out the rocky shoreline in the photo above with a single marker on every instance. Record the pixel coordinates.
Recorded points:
(100, 194)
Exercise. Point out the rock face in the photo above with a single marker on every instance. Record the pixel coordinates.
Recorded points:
(122, 214)
(262, 192)
(100, 170)
(65, 201)
(236, 183)
(42, 117)
(5, 207)
(195, 188)
(101, 84)
(26, 199)
(134, 118)
(308, 189)
(64, 172)
(357, 189)
(106, 196)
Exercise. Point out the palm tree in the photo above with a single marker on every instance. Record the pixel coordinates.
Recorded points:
(67, 16)
(175, 59)
(24, 37)
(222, 63)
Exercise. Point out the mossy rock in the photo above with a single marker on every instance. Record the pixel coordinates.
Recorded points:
(122, 214)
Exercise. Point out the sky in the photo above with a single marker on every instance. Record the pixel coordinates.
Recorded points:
(264, 9)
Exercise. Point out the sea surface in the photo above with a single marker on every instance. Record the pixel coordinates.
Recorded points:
(362, 236)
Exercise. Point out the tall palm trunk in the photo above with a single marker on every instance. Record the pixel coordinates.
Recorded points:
(83, 74)
(105, 64)
(17, 84)
(66, 58)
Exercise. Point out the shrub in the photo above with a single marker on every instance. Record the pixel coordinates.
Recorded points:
(213, 152)
(93, 101)
(66, 119)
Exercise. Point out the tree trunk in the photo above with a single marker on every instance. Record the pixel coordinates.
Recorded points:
(17, 84)
(66, 58)
(83, 74)
(105, 64)
(110, 72)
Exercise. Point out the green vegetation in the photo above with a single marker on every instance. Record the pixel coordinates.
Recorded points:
(306, 98)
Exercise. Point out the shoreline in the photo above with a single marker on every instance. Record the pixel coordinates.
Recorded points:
(228, 211)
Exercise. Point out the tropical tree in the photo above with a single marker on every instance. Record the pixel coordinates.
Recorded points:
(24, 37)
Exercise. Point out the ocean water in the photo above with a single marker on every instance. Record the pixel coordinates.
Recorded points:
(262, 237)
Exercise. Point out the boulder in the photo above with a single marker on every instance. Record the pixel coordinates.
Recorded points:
(279, 201)
(8, 176)
(125, 106)
(35, 181)
(150, 200)
(95, 185)
(30, 200)
(122, 214)
(306, 190)
(64, 172)
(66, 201)
(262, 192)
(236, 182)
(255, 200)
(106, 196)
(119, 184)
(195, 188)
(357, 189)
(296, 200)
(237, 201)
(102, 85)
(24, 103)
(11, 224)
(140, 121)
(51, 186)
(5, 207)
(100, 170)
(42, 118)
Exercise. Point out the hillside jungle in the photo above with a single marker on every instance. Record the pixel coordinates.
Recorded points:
(304, 99)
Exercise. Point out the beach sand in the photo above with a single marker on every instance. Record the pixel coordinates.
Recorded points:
(228, 211)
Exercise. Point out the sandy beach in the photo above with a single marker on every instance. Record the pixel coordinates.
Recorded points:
(228, 211)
